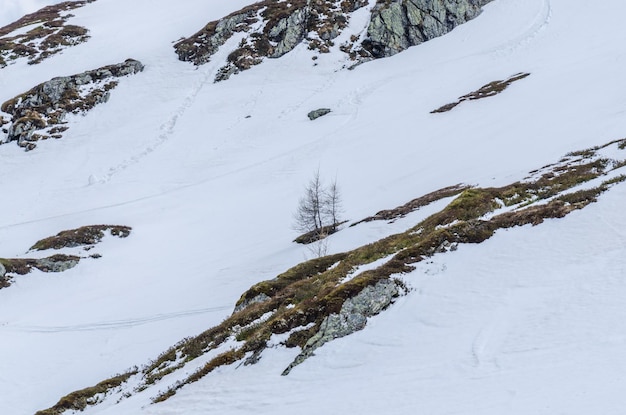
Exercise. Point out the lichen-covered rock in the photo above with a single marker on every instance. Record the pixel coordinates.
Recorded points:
(47, 104)
(56, 263)
(273, 28)
(288, 32)
(399, 24)
(258, 299)
(352, 317)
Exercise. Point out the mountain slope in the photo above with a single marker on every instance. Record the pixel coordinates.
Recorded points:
(210, 193)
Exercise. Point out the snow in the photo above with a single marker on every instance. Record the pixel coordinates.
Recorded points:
(12, 10)
(530, 321)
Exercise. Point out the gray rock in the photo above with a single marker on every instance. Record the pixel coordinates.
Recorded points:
(289, 32)
(49, 102)
(199, 48)
(352, 317)
(58, 263)
(399, 24)
(3, 270)
(258, 299)
(315, 114)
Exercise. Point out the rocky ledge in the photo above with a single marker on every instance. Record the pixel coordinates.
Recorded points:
(85, 237)
(272, 28)
(45, 106)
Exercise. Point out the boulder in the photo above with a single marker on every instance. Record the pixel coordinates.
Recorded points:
(315, 114)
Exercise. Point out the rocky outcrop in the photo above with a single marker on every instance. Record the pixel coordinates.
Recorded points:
(86, 237)
(22, 266)
(399, 24)
(273, 28)
(49, 37)
(261, 298)
(352, 317)
(45, 106)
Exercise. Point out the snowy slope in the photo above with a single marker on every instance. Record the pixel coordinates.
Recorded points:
(531, 321)
(11, 10)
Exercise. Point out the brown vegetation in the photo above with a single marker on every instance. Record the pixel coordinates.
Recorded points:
(297, 301)
(86, 235)
(324, 21)
(79, 400)
(485, 91)
(49, 37)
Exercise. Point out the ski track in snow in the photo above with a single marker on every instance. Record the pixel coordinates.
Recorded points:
(355, 99)
(265, 161)
(538, 24)
(500, 329)
(535, 27)
(109, 325)
(167, 129)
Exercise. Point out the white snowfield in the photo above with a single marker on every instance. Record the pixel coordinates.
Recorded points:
(532, 321)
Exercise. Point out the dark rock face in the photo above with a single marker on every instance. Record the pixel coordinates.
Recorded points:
(44, 107)
(274, 28)
(399, 24)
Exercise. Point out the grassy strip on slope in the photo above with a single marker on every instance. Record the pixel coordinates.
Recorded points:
(485, 91)
(299, 300)
(79, 400)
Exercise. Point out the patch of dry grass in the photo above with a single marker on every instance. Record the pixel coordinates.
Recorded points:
(79, 400)
(83, 236)
(49, 37)
(485, 91)
(298, 300)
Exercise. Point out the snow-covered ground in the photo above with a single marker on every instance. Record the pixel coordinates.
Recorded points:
(208, 176)
(11, 10)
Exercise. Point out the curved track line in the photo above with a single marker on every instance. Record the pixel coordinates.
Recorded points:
(539, 23)
(113, 324)
(167, 130)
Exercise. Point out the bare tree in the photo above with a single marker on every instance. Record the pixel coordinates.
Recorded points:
(318, 211)
(308, 216)
(332, 205)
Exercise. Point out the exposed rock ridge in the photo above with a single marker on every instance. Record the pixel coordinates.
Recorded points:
(272, 28)
(327, 297)
(45, 106)
(399, 24)
(85, 237)
(351, 318)
(50, 36)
